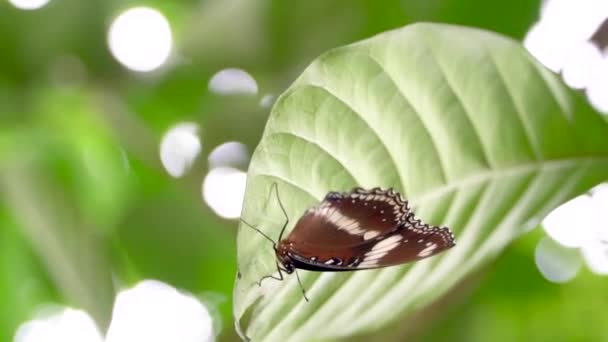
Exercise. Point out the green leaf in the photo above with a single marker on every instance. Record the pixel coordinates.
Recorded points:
(464, 123)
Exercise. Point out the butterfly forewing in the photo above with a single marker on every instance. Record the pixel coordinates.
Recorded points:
(352, 218)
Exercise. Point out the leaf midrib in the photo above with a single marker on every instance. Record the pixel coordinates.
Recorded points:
(471, 179)
(507, 171)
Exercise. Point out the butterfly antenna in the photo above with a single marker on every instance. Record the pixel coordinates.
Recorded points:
(259, 231)
(302, 287)
(276, 190)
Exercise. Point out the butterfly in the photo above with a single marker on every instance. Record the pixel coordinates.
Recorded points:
(356, 230)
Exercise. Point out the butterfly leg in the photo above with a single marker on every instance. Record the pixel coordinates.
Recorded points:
(279, 278)
(276, 190)
(302, 287)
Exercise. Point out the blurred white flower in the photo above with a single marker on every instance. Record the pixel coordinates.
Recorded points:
(561, 41)
(596, 256)
(151, 311)
(555, 40)
(582, 64)
(555, 262)
(597, 89)
(574, 222)
(582, 223)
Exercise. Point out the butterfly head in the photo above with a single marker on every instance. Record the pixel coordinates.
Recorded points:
(284, 257)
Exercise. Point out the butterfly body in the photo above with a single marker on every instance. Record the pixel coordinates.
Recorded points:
(357, 230)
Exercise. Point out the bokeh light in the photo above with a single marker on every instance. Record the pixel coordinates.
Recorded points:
(573, 223)
(156, 312)
(597, 91)
(179, 148)
(233, 82)
(232, 154)
(556, 263)
(224, 191)
(546, 48)
(582, 223)
(595, 251)
(596, 256)
(561, 41)
(140, 39)
(600, 194)
(28, 4)
(581, 65)
(66, 325)
(267, 101)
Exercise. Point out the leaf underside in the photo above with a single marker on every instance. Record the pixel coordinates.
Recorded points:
(464, 123)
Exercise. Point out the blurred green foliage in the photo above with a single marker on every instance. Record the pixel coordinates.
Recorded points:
(86, 206)
(515, 303)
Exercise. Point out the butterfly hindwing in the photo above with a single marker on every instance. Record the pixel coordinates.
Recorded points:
(409, 244)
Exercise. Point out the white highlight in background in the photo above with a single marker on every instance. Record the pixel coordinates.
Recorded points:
(267, 101)
(581, 65)
(151, 311)
(574, 222)
(560, 41)
(67, 325)
(179, 148)
(562, 27)
(595, 251)
(599, 194)
(156, 312)
(140, 39)
(555, 262)
(597, 90)
(233, 82)
(28, 4)
(233, 154)
(541, 41)
(596, 256)
(224, 191)
(574, 21)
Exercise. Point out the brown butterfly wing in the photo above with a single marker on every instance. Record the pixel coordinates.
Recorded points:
(396, 248)
(351, 218)
(410, 241)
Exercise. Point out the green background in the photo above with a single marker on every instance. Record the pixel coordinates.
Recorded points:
(84, 196)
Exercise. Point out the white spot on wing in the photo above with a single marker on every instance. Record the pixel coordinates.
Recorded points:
(380, 249)
(370, 234)
(428, 250)
(387, 244)
(341, 221)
